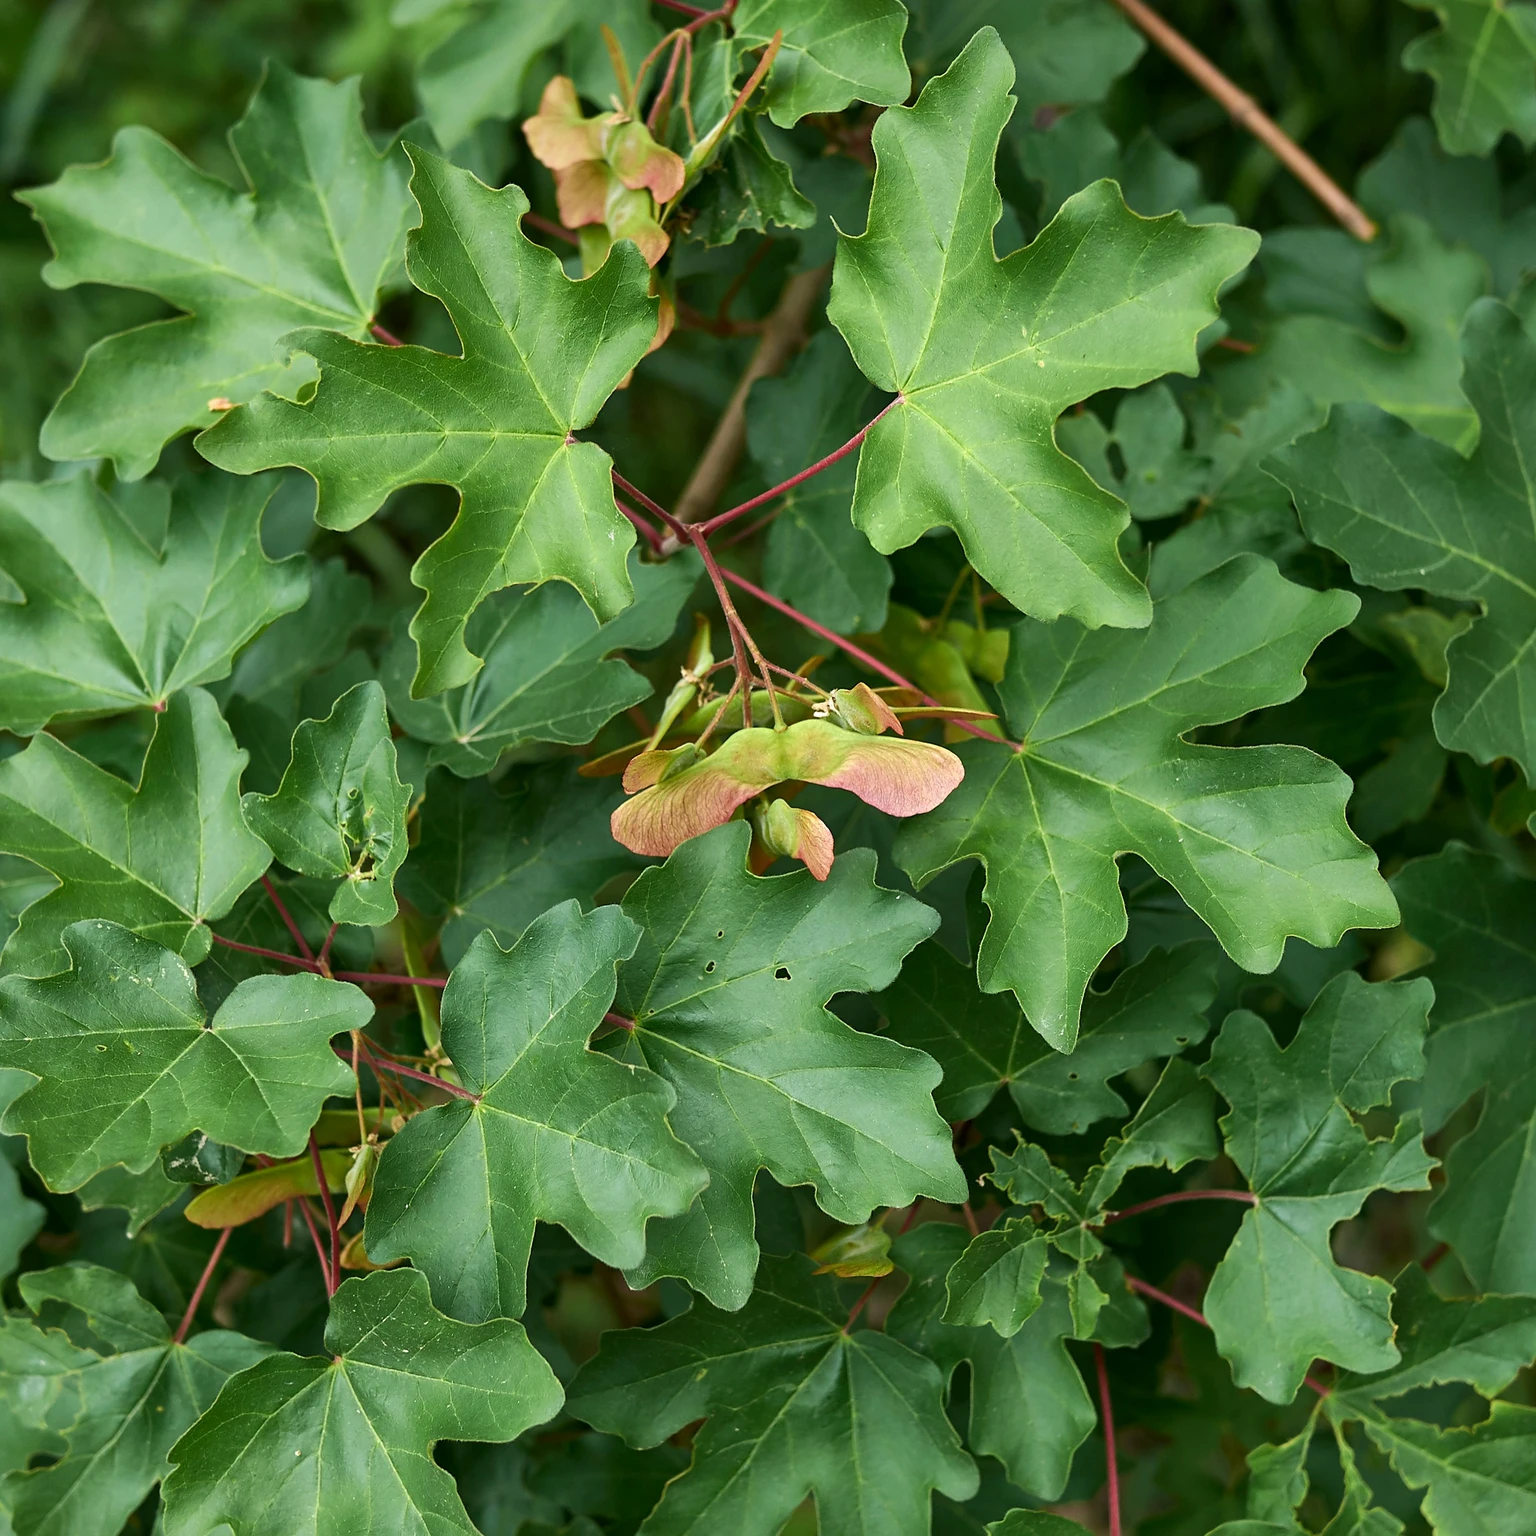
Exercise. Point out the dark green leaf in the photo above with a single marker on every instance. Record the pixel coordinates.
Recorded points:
(545, 677)
(1254, 840)
(792, 1404)
(110, 622)
(728, 992)
(559, 1132)
(340, 810)
(541, 354)
(161, 859)
(312, 241)
(494, 857)
(324, 1445)
(1154, 1008)
(1278, 1299)
(1483, 62)
(132, 1400)
(1410, 513)
(128, 1062)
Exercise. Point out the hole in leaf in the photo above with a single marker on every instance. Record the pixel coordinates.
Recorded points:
(1071, 1077)
(782, 974)
(719, 933)
(708, 968)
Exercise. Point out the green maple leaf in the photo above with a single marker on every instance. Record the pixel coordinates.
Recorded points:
(339, 812)
(1409, 513)
(1485, 1341)
(272, 669)
(728, 991)
(20, 1218)
(129, 1400)
(1483, 62)
(792, 1405)
(1426, 285)
(1028, 1404)
(327, 1444)
(815, 558)
(128, 1062)
(541, 355)
(161, 859)
(1253, 839)
(558, 1133)
(549, 673)
(1278, 1299)
(996, 1281)
(311, 241)
(985, 355)
(1154, 1008)
(110, 621)
(1478, 1481)
(1067, 52)
(831, 55)
(496, 856)
(1477, 915)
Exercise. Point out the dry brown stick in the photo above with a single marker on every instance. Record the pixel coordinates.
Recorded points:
(783, 333)
(1247, 113)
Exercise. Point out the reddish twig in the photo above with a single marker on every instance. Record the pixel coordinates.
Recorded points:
(314, 1233)
(411, 1072)
(287, 917)
(323, 959)
(1177, 1198)
(1246, 113)
(731, 514)
(723, 13)
(1184, 1309)
(680, 5)
(559, 231)
(330, 1210)
(655, 508)
(385, 979)
(202, 1285)
(649, 534)
(1434, 1256)
(858, 653)
(619, 1020)
(858, 1306)
(387, 337)
(266, 954)
(1107, 1416)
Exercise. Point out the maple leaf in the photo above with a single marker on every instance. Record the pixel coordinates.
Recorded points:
(1278, 1299)
(986, 354)
(727, 992)
(1408, 512)
(1154, 1008)
(549, 672)
(312, 241)
(128, 1063)
(1254, 839)
(340, 809)
(1028, 1405)
(130, 1397)
(1476, 915)
(541, 355)
(496, 856)
(830, 54)
(397, 1377)
(557, 1132)
(161, 859)
(110, 620)
(855, 1418)
(1426, 285)
(1483, 62)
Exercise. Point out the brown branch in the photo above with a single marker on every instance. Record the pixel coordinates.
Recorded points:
(1107, 1419)
(781, 337)
(202, 1285)
(1246, 113)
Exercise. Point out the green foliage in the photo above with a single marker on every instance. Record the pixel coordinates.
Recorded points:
(1004, 942)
